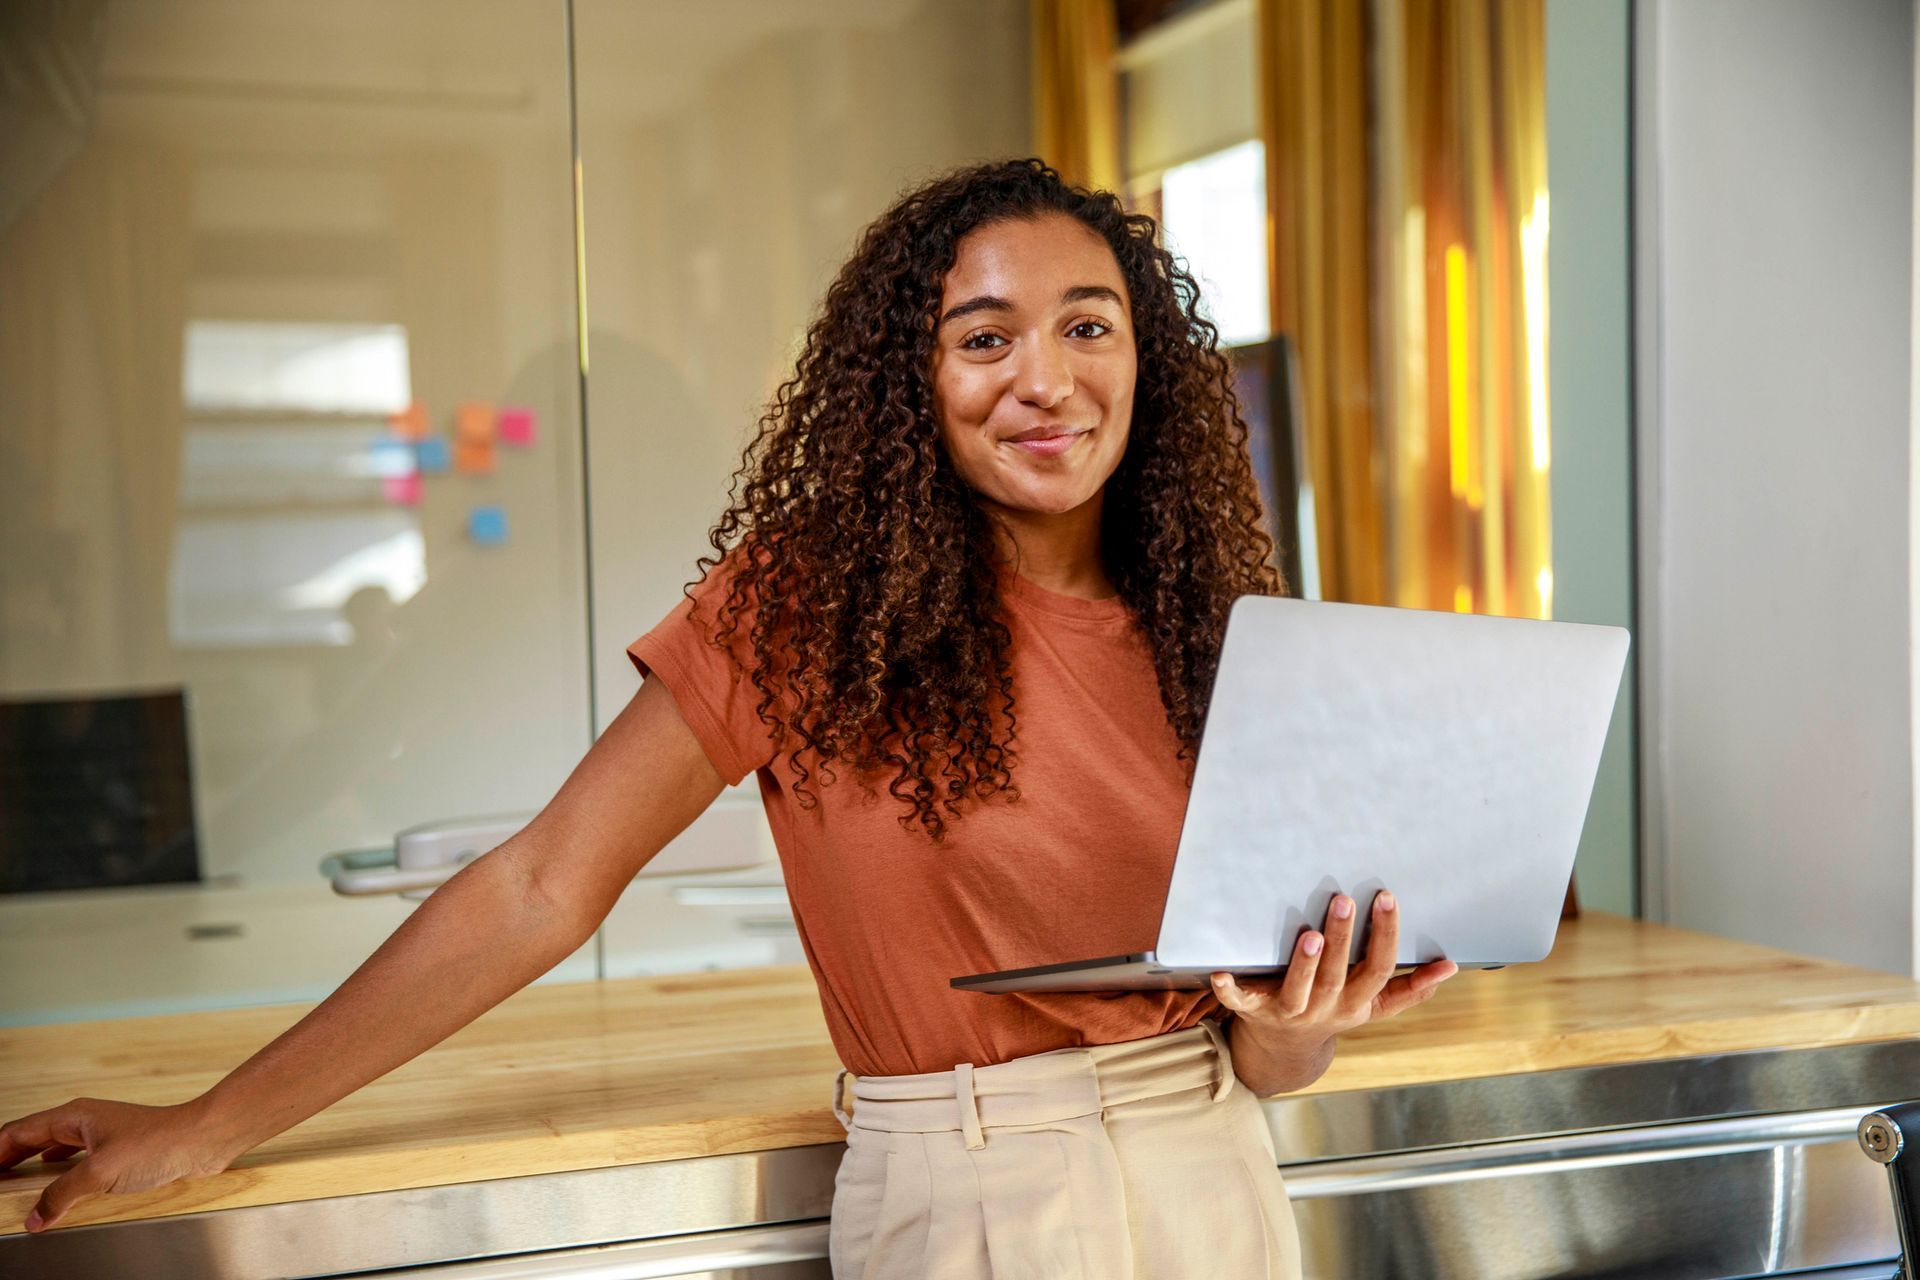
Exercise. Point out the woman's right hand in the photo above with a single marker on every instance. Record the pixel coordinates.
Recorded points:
(129, 1147)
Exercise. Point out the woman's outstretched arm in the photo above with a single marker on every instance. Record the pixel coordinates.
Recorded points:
(496, 925)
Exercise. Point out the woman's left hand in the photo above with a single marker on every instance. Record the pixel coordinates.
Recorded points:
(1318, 998)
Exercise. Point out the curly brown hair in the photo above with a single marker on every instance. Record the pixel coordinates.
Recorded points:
(863, 571)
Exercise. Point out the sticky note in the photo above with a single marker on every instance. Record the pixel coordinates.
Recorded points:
(391, 457)
(473, 420)
(410, 423)
(517, 426)
(431, 456)
(473, 456)
(487, 525)
(402, 490)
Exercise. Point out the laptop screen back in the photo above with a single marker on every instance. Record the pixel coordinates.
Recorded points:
(1449, 757)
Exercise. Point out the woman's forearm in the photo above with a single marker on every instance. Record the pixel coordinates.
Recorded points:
(476, 940)
(1268, 1063)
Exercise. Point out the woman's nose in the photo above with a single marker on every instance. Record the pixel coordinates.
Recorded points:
(1043, 378)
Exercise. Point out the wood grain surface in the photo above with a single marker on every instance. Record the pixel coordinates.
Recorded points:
(589, 1075)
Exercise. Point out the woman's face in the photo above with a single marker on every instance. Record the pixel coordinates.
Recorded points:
(1033, 363)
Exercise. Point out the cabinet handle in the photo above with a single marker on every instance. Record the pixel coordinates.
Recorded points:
(697, 1255)
(1606, 1149)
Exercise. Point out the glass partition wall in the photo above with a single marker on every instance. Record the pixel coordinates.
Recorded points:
(314, 531)
(732, 153)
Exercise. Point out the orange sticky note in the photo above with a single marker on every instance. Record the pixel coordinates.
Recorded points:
(473, 420)
(410, 423)
(473, 456)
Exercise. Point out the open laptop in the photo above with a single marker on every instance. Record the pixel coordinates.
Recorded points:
(1449, 757)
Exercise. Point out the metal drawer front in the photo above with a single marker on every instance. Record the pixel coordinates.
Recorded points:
(429, 1226)
(1721, 1208)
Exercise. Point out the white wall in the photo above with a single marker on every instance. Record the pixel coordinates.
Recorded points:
(1774, 248)
(1913, 487)
(1913, 507)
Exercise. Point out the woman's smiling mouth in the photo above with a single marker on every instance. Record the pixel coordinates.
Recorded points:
(1048, 441)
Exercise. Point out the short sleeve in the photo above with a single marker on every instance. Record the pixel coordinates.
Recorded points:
(715, 695)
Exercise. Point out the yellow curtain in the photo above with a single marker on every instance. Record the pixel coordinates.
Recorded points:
(1312, 57)
(1410, 270)
(1463, 221)
(1076, 94)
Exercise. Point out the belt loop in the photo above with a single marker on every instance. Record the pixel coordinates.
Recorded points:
(969, 1110)
(839, 1095)
(1223, 1061)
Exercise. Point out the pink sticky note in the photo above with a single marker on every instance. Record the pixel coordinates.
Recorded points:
(402, 490)
(517, 426)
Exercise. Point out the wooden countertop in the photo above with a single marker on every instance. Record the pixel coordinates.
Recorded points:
(593, 1074)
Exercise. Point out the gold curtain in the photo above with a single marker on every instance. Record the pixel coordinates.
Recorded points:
(1076, 93)
(1411, 273)
(1463, 231)
(1312, 60)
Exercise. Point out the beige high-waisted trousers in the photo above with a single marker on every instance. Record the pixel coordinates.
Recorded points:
(1145, 1159)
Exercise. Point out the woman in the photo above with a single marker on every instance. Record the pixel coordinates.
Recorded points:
(961, 623)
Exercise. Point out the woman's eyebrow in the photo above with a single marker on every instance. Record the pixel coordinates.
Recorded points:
(1082, 292)
(985, 302)
(990, 302)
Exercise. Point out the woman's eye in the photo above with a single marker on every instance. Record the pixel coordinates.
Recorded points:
(1102, 326)
(980, 341)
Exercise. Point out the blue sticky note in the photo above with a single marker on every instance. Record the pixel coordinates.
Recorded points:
(431, 453)
(487, 525)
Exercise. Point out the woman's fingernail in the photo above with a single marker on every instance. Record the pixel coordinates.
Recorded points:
(1386, 901)
(33, 1220)
(1312, 945)
(1342, 907)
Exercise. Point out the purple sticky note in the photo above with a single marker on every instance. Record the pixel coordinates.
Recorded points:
(402, 490)
(516, 426)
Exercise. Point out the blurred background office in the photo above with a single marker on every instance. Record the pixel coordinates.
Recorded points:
(370, 375)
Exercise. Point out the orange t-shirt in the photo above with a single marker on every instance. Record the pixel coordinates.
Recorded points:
(1077, 867)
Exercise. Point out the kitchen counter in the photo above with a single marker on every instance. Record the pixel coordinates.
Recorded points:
(594, 1075)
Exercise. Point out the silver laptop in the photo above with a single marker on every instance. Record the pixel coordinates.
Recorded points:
(1449, 757)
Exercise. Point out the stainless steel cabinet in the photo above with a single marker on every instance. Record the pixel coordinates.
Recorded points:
(1705, 1168)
